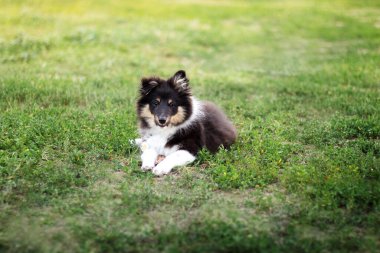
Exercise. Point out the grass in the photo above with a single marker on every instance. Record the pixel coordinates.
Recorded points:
(300, 79)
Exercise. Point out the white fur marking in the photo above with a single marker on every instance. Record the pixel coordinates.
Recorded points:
(148, 158)
(197, 113)
(178, 158)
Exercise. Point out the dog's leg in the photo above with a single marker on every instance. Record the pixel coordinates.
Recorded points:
(178, 158)
(148, 158)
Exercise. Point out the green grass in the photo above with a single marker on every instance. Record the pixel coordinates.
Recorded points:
(300, 79)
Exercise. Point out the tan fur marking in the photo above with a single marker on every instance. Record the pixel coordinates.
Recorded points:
(170, 101)
(179, 117)
(146, 114)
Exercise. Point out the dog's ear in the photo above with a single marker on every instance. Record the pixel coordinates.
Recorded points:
(147, 85)
(180, 80)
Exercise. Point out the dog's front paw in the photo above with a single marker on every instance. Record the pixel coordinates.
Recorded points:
(161, 170)
(147, 164)
(146, 167)
(148, 159)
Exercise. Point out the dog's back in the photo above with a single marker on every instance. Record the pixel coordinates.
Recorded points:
(218, 130)
(211, 129)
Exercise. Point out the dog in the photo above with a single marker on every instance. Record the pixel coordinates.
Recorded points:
(175, 125)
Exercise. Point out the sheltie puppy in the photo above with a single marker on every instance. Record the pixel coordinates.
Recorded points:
(175, 125)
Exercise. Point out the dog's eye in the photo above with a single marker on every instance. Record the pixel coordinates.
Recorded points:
(171, 104)
(156, 102)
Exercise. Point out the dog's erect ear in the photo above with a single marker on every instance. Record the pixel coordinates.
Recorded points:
(180, 80)
(147, 85)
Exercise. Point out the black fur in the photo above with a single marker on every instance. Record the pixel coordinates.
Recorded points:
(211, 131)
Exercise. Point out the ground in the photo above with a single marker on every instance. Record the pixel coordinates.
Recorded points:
(300, 80)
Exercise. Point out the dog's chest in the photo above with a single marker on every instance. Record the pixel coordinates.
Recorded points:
(157, 139)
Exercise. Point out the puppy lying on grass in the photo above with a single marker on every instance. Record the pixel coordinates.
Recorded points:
(174, 126)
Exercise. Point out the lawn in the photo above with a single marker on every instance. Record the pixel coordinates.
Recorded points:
(300, 80)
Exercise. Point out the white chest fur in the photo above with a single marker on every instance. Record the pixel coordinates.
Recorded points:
(156, 138)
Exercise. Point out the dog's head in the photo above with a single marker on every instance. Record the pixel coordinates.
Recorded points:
(164, 103)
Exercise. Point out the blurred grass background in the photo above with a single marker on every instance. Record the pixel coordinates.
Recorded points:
(300, 79)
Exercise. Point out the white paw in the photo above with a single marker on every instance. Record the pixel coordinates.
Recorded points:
(148, 159)
(160, 170)
(147, 164)
(146, 167)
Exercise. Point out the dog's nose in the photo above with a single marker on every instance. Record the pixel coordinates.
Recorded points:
(162, 120)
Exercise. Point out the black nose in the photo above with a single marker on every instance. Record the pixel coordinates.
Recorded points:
(162, 121)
